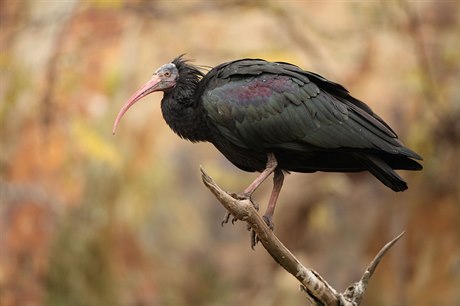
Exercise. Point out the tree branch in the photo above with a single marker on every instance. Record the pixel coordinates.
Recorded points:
(356, 291)
(318, 291)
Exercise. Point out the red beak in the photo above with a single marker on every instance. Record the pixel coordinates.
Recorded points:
(148, 88)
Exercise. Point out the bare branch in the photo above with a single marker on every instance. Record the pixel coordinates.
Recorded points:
(356, 291)
(313, 284)
(318, 291)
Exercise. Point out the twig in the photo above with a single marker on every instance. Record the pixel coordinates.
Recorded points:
(356, 291)
(318, 291)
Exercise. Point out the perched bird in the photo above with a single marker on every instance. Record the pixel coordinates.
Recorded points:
(272, 117)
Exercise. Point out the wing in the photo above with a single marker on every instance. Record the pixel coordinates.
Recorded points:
(261, 105)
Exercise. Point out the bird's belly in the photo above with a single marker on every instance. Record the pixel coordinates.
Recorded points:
(244, 159)
(318, 160)
(310, 159)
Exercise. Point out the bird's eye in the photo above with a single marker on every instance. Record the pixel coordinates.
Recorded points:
(167, 74)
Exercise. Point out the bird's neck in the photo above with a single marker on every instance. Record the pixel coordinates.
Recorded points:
(184, 115)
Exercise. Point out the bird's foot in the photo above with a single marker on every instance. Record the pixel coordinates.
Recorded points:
(254, 238)
(269, 221)
(245, 196)
(228, 216)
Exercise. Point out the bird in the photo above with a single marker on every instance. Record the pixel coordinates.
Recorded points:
(274, 117)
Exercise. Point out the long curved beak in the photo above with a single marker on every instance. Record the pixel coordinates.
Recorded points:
(149, 87)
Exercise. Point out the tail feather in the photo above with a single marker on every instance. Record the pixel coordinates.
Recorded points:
(383, 172)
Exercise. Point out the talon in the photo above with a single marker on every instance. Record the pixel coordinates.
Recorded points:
(225, 219)
(254, 204)
(269, 221)
(245, 196)
(240, 197)
(254, 239)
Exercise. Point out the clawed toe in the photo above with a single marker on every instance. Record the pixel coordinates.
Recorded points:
(269, 221)
(227, 218)
(268, 218)
(245, 196)
(254, 238)
(239, 196)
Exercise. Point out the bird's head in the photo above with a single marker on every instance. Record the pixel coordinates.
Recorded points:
(164, 79)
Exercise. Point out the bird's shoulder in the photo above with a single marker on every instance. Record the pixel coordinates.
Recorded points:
(249, 89)
(228, 75)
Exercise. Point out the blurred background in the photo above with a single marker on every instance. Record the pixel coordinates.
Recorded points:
(88, 218)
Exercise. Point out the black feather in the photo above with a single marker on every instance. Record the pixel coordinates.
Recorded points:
(250, 107)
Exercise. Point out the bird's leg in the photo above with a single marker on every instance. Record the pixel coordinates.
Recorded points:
(278, 179)
(269, 168)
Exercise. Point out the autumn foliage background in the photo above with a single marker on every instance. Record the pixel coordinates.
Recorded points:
(88, 218)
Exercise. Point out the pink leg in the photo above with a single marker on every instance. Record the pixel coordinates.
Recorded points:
(271, 166)
(278, 179)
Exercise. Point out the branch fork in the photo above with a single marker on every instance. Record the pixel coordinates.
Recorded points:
(317, 290)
